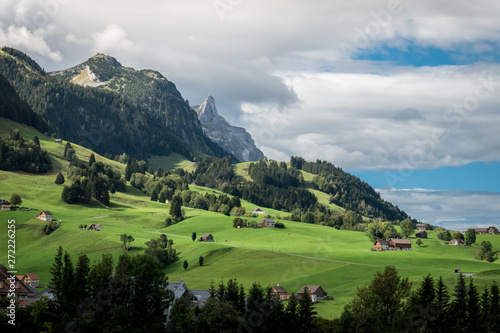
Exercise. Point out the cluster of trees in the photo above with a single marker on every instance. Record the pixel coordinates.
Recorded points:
(50, 227)
(382, 230)
(159, 188)
(388, 304)
(126, 239)
(276, 175)
(161, 249)
(17, 154)
(348, 191)
(244, 223)
(112, 298)
(92, 180)
(485, 252)
(230, 309)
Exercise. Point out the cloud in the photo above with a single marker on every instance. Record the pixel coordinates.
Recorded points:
(407, 115)
(112, 39)
(23, 38)
(456, 210)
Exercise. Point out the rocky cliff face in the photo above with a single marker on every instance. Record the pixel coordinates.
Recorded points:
(234, 140)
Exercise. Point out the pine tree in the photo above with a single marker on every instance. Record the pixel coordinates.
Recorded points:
(305, 311)
(441, 304)
(176, 208)
(185, 264)
(458, 307)
(473, 308)
(59, 179)
(91, 160)
(494, 322)
(36, 141)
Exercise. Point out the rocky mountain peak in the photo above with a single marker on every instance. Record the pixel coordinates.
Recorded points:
(109, 59)
(207, 112)
(232, 139)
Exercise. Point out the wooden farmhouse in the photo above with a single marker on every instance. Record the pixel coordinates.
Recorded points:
(269, 223)
(96, 227)
(4, 204)
(207, 238)
(280, 293)
(59, 141)
(457, 242)
(421, 226)
(315, 291)
(44, 215)
(381, 245)
(399, 244)
(258, 211)
(421, 234)
(491, 230)
(31, 279)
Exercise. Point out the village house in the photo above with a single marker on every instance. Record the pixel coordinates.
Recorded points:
(315, 291)
(421, 226)
(179, 289)
(4, 204)
(490, 230)
(207, 238)
(31, 280)
(25, 294)
(258, 211)
(44, 215)
(421, 234)
(381, 245)
(457, 242)
(97, 227)
(59, 141)
(269, 223)
(280, 293)
(396, 244)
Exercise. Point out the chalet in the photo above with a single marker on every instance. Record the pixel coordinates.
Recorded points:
(44, 215)
(179, 289)
(97, 227)
(258, 211)
(457, 242)
(491, 230)
(32, 280)
(207, 238)
(280, 293)
(59, 141)
(381, 245)
(4, 204)
(396, 244)
(269, 223)
(194, 183)
(21, 290)
(421, 234)
(316, 292)
(421, 226)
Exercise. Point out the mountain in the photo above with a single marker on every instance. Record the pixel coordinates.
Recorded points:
(14, 108)
(150, 89)
(114, 122)
(234, 140)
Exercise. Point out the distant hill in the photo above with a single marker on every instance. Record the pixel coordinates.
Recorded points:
(155, 95)
(108, 121)
(234, 140)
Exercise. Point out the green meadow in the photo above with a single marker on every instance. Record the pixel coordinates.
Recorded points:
(339, 261)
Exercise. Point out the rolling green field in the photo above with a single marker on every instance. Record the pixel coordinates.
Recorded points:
(339, 261)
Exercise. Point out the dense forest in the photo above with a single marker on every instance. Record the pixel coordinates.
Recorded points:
(16, 154)
(348, 191)
(103, 120)
(15, 109)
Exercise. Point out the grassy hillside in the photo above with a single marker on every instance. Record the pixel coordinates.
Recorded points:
(171, 162)
(300, 254)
